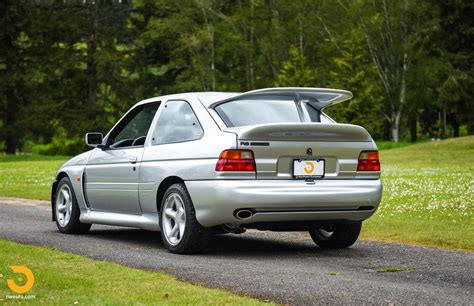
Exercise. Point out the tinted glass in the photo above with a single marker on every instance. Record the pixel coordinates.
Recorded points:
(177, 123)
(135, 126)
(313, 113)
(262, 111)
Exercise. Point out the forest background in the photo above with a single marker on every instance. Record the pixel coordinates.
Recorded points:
(68, 67)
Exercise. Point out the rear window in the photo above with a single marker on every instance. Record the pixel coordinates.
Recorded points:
(267, 110)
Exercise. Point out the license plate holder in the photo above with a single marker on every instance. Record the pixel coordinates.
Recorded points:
(308, 168)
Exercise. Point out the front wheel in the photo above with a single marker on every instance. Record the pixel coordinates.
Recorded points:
(180, 231)
(336, 236)
(66, 210)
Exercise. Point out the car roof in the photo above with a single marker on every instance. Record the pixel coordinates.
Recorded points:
(206, 97)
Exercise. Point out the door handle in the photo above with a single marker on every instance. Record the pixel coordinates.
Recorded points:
(132, 160)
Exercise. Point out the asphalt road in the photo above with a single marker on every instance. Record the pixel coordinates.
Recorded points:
(281, 267)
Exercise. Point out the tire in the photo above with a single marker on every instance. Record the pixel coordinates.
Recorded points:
(180, 231)
(66, 210)
(337, 236)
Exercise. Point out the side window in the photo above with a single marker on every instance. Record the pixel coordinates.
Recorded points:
(133, 128)
(177, 123)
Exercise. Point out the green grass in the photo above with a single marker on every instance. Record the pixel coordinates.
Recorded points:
(31, 157)
(389, 269)
(428, 196)
(385, 145)
(394, 269)
(65, 279)
(28, 176)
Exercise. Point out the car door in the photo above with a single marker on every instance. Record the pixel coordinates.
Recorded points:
(111, 175)
(172, 150)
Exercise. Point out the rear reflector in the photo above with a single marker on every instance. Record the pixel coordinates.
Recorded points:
(236, 160)
(368, 161)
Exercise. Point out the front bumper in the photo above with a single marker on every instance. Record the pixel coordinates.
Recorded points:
(216, 201)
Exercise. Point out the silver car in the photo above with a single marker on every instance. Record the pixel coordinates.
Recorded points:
(193, 164)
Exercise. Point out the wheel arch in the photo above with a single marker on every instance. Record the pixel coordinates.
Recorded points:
(164, 185)
(59, 176)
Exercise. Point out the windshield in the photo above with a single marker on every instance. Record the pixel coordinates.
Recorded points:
(267, 110)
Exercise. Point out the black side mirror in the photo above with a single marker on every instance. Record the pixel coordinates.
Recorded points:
(94, 140)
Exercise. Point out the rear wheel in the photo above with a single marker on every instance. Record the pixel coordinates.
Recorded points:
(336, 236)
(180, 231)
(66, 210)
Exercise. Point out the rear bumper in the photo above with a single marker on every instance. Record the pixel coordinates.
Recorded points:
(216, 201)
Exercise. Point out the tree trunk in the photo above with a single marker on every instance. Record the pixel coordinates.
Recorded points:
(273, 27)
(443, 135)
(10, 145)
(413, 129)
(300, 23)
(396, 115)
(93, 14)
(386, 130)
(11, 113)
(251, 62)
(210, 34)
(11, 107)
(455, 125)
(439, 125)
(396, 131)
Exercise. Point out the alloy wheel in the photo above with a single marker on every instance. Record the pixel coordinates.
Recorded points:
(326, 232)
(64, 205)
(173, 218)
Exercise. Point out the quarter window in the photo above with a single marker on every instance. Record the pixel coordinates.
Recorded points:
(176, 123)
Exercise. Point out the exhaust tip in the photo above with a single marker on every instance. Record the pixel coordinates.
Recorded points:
(243, 214)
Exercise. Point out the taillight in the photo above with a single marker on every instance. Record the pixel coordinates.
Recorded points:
(236, 160)
(368, 161)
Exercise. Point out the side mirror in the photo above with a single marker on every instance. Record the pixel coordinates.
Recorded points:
(94, 140)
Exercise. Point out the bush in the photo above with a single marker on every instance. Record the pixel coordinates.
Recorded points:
(61, 145)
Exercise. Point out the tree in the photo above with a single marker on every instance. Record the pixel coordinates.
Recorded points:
(386, 28)
(12, 72)
(354, 70)
(408, 63)
(456, 43)
(295, 71)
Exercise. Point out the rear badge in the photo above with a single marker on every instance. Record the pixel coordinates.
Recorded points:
(309, 151)
(255, 143)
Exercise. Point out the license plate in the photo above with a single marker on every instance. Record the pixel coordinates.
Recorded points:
(308, 168)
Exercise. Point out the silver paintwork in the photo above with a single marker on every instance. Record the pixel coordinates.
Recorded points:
(283, 200)
(111, 178)
(314, 132)
(148, 221)
(120, 186)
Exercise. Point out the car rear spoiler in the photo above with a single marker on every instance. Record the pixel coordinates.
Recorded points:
(322, 97)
